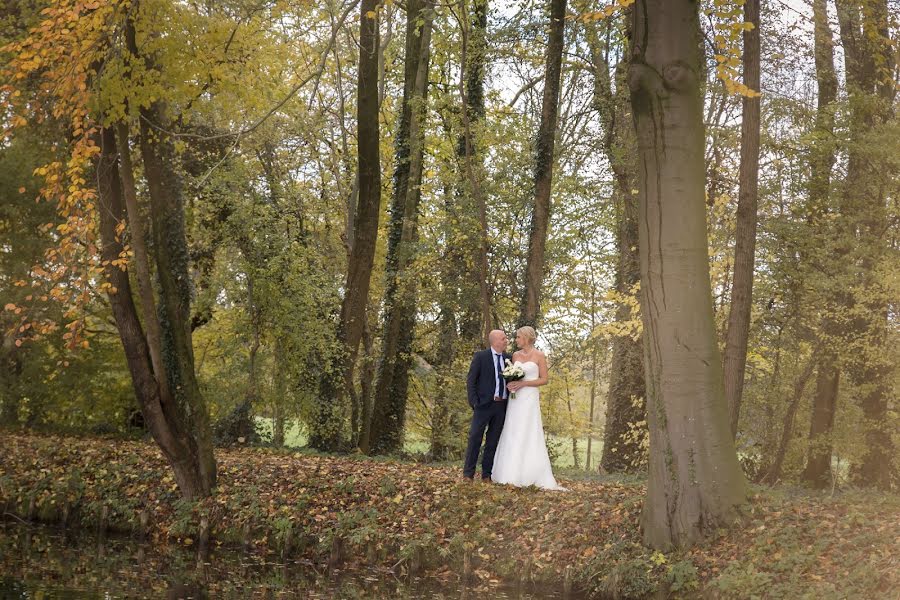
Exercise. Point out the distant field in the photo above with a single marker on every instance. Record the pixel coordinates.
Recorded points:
(295, 437)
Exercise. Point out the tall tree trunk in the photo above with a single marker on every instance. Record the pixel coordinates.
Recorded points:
(327, 430)
(172, 269)
(389, 410)
(576, 456)
(773, 474)
(166, 420)
(141, 258)
(367, 383)
(818, 463)
(745, 229)
(593, 390)
(530, 307)
(695, 483)
(818, 467)
(471, 90)
(447, 342)
(623, 448)
(869, 62)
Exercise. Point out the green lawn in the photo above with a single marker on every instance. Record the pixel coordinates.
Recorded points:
(295, 437)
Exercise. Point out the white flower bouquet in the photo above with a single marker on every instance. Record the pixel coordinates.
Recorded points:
(513, 372)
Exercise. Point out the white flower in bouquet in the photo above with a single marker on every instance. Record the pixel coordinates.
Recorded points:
(513, 372)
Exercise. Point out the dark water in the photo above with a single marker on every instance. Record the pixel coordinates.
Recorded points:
(43, 562)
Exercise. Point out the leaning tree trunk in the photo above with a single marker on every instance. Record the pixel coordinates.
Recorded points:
(695, 483)
(389, 410)
(173, 275)
(164, 416)
(773, 474)
(869, 62)
(745, 229)
(625, 431)
(530, 306)
(818, 465)
(327, 430)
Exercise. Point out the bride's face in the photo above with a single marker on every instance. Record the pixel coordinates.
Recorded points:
(522, 341)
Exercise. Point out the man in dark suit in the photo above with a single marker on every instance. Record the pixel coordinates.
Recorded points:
(488, 398)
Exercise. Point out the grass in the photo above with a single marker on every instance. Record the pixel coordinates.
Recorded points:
(560, 447)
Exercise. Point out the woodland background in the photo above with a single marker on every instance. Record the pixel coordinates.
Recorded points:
(252, 108)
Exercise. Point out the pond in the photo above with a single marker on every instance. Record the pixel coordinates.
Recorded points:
(39, 561)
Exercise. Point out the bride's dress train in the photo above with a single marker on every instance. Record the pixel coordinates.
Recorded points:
(522, 458)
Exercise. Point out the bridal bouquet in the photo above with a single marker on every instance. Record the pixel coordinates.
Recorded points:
(512, 372)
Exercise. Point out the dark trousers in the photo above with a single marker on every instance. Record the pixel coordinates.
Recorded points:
(490, 417)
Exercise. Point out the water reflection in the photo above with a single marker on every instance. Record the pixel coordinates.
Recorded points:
(44, 562)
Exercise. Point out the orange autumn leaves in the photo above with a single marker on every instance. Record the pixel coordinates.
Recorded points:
(49, 75)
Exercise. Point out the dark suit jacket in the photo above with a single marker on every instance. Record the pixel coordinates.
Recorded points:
(480, 384)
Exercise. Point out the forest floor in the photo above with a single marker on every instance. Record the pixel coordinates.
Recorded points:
(407, 515)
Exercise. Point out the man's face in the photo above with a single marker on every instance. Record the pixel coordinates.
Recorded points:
(499, 341)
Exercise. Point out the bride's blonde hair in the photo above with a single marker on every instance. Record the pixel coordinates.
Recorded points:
(528, 332)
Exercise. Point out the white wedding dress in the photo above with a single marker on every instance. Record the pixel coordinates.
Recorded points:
(522, 458)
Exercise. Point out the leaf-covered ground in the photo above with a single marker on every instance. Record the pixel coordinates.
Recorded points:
(400, 514)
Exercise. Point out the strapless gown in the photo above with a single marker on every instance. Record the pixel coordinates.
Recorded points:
(522, 458)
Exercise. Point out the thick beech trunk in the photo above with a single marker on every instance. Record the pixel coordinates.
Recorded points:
(745, 229)
(530, 307)
(165, 419)
(695, 483)
(327, 430)
(389, 410)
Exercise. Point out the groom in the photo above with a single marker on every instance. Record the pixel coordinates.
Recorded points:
(487, 396)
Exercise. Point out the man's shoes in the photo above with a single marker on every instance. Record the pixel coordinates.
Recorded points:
(486, 480)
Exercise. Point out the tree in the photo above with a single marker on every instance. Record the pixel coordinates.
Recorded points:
(389, 409)
(695, 483)
(327, 428)
(530, 307)
(188, 416)
(869, 67)
(625, 431)
(163, 413)
(473, 48)
(818, 465)
(745, 243)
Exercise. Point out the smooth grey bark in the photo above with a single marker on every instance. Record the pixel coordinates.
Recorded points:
(530, 306)
(389, 409)
(737, 332)
(327, 429)
(695, 483)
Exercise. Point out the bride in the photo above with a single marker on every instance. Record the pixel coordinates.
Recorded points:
(522, 458)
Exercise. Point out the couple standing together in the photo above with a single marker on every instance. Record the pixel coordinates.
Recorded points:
(515, 451)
